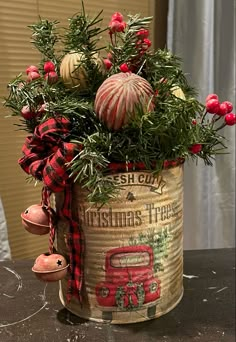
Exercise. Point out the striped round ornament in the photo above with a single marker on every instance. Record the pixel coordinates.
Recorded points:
(119, 97)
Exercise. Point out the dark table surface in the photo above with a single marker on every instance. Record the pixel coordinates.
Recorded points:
(31, 311)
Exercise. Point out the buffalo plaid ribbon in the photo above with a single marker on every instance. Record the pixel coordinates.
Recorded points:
(46, 153)
(45, 156)
(75, 245)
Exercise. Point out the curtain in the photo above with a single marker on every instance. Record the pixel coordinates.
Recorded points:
(5, 252)
(202, 33)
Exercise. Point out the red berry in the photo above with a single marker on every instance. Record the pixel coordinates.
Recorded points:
(49, 66)
(146, 43)
(196, 148)
(51, 77)
(110, 56)
(223, 109)
(212, 106)
(229, 105)
(139, 44)
(33, 75)
(117, 16)
(166, 163)
(122, 26)
(230, 119)
(117, 26)
(211, 97)
(194, 121)
(124, 67)
(27, 113)
(107, 63)
(31, 68)
(42, 108)
(142, 33)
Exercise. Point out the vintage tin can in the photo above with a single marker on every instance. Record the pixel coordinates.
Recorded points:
(133, 262)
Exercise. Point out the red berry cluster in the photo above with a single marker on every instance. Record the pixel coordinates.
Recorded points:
(195, 148)
(117, 25)
(32, 73)
(50, 76)
(219, 110)
(124, 67)
(224, 109)
(29, 113)
(142, 45)
(143, 42)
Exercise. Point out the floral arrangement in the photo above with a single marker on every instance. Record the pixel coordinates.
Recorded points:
(91, 107)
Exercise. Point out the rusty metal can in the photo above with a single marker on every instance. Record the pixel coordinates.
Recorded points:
(133, 262)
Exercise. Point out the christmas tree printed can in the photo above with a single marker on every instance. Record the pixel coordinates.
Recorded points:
(133, 263)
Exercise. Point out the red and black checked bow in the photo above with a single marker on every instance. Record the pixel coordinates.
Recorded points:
(45, 155)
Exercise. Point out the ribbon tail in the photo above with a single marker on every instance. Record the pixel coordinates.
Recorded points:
(76, 248)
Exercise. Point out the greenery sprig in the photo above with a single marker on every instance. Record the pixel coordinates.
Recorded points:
(45, 38)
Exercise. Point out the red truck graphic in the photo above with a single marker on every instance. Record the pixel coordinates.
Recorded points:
(129, 281)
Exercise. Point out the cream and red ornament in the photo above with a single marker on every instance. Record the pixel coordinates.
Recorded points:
(118, 98)
(73, 71)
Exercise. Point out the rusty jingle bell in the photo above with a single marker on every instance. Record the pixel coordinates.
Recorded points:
(35, 219)
(50, 267)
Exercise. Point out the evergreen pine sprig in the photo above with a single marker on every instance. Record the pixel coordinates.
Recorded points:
(82, 34)
(44, 38)
(163, 65)
(87, 169)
